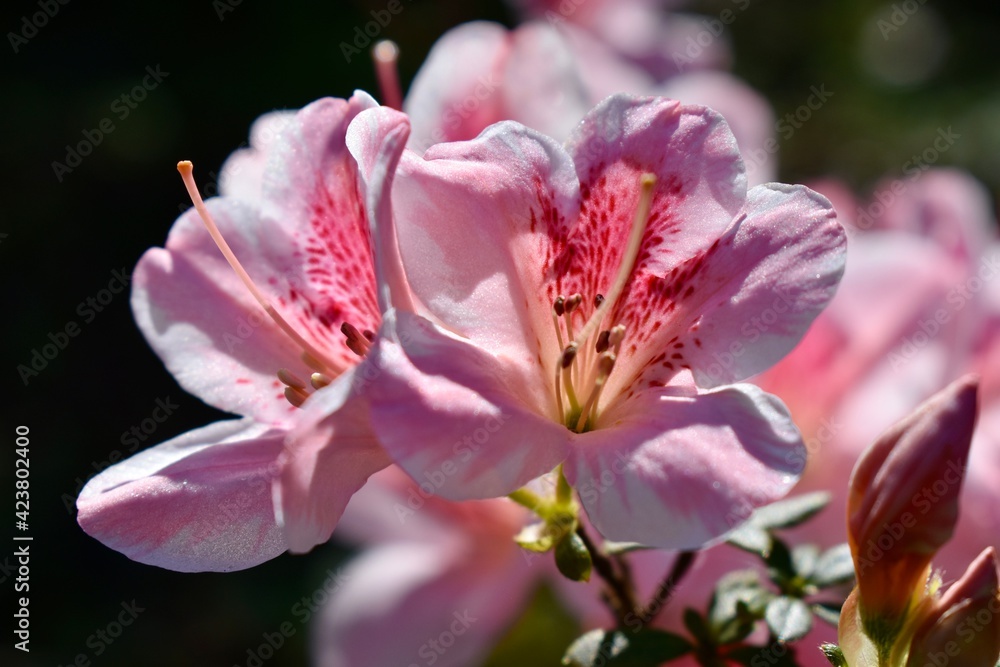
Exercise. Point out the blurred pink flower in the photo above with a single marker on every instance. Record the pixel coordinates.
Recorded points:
(487, 395)
(438, 582)
(203, 501)
(548, 78)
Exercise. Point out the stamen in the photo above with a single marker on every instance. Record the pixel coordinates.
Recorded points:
(385, 54)
(565, 363)
(186, 170)
(573, 301)
(646, 184)
(559, 306)
(598, 300)
(369, 334)
(605, 364)
(558, 309)
(295, 396)
(291, 379)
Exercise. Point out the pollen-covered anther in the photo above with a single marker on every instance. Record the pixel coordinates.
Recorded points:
(296, 396)
(289, 378)
(603, 341)
(318, 380)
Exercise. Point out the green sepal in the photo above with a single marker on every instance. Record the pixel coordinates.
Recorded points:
(573, 559)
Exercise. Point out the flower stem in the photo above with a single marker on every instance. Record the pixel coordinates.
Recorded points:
(665, 590)
(620, 594)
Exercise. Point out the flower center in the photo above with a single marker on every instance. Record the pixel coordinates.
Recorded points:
(585, 364)
(296, 389)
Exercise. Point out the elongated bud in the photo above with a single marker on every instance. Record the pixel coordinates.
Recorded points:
(903, 502)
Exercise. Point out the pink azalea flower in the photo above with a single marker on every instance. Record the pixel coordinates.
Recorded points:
(640, 243)
(480, 73)
(203, 501)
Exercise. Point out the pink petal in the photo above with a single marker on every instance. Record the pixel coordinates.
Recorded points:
(676, 470)
(745, 110)
(242, 174)
(416, 603)
(483, 280)
(455, 417)
(317, 239)
(211, 334)
(198, 502)
(329, 456)
(376, 140)
(772, 274)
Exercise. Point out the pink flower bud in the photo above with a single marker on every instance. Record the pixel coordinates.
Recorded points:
(962, 627)
(903, 502)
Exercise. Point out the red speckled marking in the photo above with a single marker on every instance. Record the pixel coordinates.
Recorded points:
(336, 258)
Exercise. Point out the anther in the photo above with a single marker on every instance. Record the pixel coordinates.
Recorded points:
(289, 378)
(603, 341)
(356, 341)
(616, 336)
(318, 380)
(598, 300)
(295, 396)
(568, 355)
(369, 334)
(559, 306)
(573, 301)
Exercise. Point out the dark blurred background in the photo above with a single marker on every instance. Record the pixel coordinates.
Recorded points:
(226, 62)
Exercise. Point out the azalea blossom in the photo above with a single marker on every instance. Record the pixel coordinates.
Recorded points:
(584, 307)
(290, 309)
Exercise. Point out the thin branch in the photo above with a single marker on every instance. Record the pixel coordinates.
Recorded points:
(667, 587)
(621, 597)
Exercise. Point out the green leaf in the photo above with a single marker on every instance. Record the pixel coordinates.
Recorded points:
(573, 559)
(622, 648)
(698, 627)
(777, 654)
(834, 567)
(805, 557)
(790, 511)
(751, 538)
(737, 603)
(827, 611)
(779, 562)
(788, 618)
